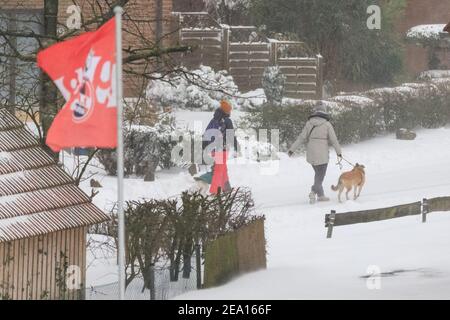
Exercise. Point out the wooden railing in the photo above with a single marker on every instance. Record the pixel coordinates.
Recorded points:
(424, 208)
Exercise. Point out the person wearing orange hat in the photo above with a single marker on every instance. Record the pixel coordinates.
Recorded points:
(226, 107)
(221, 121)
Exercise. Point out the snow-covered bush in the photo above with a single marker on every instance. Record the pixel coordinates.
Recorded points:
(200, 89)
(164, 233)
(426, 32)
(413, 104)
(273, 82)
(254, 147)
(359, 117)
(355, 117)
(289, 119)
(145, 149)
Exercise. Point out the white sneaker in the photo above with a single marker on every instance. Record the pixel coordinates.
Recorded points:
(323, 199)
(312, 197)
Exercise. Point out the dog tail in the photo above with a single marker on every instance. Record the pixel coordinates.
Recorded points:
(336, 188)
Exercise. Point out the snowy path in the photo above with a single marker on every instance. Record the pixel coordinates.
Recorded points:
(303, 264)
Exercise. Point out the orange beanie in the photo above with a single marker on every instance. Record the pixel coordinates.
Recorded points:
(225, 106)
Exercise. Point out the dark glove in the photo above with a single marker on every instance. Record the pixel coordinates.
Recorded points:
(290, 153)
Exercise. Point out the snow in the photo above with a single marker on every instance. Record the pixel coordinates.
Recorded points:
(102, 258)
(354, 99)
(15, 175)
(302, 263)
(4, 156)
(6, 199)
(434, 74)
(201, 29)
(5, 224)
(256, 97)
(200, 89)
(169, 183)
(426, 31)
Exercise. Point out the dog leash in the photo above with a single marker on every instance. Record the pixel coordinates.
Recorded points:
(339, 163)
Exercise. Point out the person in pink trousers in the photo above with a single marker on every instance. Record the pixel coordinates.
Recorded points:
(221, 121)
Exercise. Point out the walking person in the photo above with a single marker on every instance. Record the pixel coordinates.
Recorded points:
(317, 134)
(224, 129)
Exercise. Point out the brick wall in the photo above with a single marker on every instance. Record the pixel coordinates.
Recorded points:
(422, 12)
(188, 5)
(140, 25)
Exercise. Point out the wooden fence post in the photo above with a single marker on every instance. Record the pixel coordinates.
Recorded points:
(424, 210)
(319, 80)
(331, 218)
(226, 47)
(176, 22)
(273, 52)
(198, 262)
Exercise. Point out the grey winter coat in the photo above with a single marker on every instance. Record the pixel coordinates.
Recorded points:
(317, 143)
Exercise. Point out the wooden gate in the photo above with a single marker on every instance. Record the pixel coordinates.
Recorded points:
(208, 47)
(247, 62)
(303, 77)
(245, 54)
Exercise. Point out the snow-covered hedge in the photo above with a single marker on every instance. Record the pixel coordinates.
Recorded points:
(165, 232)
(200, 89)
(365, 115)
(145, 149)
(426, 32)
(350, 111)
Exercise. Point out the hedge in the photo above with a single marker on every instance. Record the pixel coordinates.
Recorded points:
(363, 115)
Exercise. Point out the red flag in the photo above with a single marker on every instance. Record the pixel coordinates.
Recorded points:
(83, 69)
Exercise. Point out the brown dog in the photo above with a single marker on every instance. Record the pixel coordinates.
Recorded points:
(351, 179)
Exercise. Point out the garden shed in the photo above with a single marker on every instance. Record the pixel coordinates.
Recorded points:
(44, 219)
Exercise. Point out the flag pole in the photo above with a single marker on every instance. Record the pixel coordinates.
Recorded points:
(118, 11)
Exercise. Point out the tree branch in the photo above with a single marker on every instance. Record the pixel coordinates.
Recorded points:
(157, 52)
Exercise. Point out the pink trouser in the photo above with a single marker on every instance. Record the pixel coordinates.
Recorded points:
(220, 172)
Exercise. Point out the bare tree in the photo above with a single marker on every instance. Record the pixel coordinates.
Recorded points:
(24, 31)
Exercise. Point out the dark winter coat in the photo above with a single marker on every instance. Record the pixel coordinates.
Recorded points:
(224, 123)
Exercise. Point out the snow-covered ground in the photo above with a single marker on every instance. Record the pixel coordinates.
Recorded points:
(302, 263)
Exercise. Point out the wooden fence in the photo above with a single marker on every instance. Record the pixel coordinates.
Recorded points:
(223, 47)
(425, 207)
(235, 253)
(246, 63)
(208, 47)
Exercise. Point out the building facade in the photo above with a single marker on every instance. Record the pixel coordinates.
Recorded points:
(147, 23)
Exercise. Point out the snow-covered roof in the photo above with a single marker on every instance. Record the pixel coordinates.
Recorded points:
(36, 196)
(426, 32)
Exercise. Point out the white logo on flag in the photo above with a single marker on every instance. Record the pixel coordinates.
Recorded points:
(90, 87)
